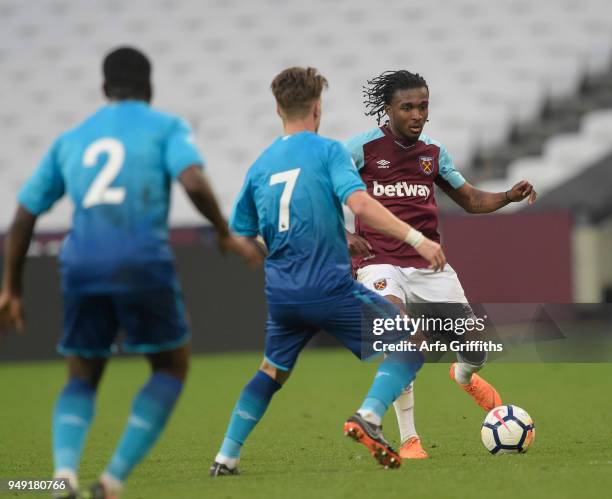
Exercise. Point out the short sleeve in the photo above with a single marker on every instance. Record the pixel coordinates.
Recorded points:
(45, 186)
(181, 150)
(343, 172)
(356, 143)
(244, 220)
(447, 169)
(355, 148)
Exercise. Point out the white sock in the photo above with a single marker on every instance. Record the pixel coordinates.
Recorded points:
(404, 410)
(111, 484)
(370, 417)
(464, 371)
(230, 462)
(69, 475)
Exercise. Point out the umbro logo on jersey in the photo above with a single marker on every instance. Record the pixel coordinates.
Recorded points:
(400, 189)
(383, 163)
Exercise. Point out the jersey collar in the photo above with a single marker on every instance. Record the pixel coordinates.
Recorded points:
(399, 141)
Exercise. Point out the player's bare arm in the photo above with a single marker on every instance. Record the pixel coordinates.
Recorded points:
(247, 248)
(379, 218)
(474, 200)
(253, 246)
(357, 245)
(203, 198)
(261, 245)
(15, 251)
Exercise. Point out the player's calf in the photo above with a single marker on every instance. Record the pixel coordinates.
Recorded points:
(249, 409)
(72, 417)
(410, 447)
(150, 412)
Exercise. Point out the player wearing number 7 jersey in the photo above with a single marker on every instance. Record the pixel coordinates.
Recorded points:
(116, 264)
(292, 197)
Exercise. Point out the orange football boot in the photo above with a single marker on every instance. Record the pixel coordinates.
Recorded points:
(482, 392)
(412, 449)
(371, 436)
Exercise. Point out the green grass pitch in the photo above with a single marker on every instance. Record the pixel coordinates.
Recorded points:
(298, 450)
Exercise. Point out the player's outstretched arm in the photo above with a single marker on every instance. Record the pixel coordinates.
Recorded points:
(203, 198)
(379, 218)
(15, 250)
(474, 200)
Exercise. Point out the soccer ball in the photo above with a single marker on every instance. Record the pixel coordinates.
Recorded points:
(507, 429)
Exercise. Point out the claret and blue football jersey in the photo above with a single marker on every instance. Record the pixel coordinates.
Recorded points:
(292, 197)
(402, 176)
(116, 167)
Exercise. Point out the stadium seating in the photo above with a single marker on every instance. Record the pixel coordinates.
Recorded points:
(488, 64)
(567, 155)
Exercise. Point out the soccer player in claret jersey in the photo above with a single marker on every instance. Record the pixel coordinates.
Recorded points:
(399, 165)
(116, 264)
(292, 196)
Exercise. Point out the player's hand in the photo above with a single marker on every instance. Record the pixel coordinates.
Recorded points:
(520, 191)
(243, 247)
(358, 246)
(432, 252)
(11, 312)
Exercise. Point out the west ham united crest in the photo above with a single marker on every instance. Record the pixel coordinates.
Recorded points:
(380, 284)
(427, 164)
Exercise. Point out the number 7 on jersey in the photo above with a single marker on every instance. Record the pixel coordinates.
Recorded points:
(289, 178)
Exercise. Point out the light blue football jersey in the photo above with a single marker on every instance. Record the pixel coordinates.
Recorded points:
(292, 197)
(116, 167)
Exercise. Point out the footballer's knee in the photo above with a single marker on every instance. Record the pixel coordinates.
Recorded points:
(88, 370)
(274, 372)
(172, 362)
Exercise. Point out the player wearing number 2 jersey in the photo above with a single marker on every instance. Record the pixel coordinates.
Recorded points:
(292, 197)
(117, 267)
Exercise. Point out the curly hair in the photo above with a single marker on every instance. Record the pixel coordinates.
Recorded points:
(379, 91)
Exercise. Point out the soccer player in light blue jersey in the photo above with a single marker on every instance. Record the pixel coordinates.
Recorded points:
(116, 264)
(292, 197)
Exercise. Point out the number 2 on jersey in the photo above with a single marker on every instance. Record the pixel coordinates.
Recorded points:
(289, 178)
(99, 192)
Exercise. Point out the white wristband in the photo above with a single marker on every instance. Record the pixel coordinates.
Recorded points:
(414, 237)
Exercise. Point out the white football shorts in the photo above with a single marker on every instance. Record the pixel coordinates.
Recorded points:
(413, 285)
(430, 292)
